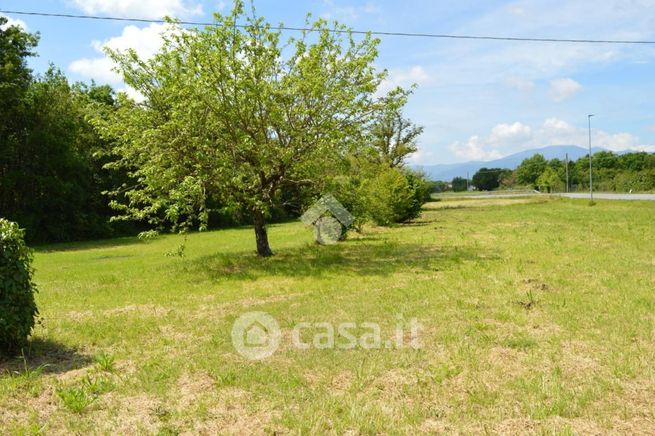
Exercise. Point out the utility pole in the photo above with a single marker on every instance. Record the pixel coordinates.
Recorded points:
(591, 179)
(467, 181)
(567, 172)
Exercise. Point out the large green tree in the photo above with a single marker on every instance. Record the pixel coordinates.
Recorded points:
(15, 80)
(233, 115)
(530, 169)
(486, 179)
(50, 178)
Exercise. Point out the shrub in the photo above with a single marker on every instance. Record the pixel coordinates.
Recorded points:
(388, 197)
(421, 194)
(17, 306)
(634, 181)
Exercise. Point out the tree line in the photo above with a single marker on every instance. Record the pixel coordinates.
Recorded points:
(627, 172)
(237, 126)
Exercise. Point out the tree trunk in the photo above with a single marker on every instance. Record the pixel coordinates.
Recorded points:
(263, 249)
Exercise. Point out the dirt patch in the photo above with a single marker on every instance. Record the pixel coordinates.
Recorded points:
(230, 413)
(192, 387)
(174, 334)
(121, 414)
(29, 408)
(142, 309)
(224, 309)
(576, 361)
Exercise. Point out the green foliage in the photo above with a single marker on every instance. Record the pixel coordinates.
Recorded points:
(634, 181)
(105, 361)
(50, 157)
(17, 306)
(459, 184)
(388, 197)
(421, 190)
(628, 172)
(234, 115)
(549, 181)
(391, 136)
(487, 179)
(530, 169)
(15, 77)
(75, 399)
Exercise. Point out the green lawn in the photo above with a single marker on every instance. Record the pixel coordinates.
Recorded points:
(538, 316)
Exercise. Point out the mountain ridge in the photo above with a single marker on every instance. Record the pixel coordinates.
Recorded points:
(447, 172)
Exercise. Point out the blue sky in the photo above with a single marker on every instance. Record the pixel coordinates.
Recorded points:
(476, 99)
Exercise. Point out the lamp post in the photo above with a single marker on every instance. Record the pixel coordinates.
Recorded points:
(591, 180)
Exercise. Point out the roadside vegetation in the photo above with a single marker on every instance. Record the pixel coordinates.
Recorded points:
(627, 172)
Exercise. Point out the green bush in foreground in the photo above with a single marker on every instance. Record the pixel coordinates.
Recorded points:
(17, 305)
(389, 197)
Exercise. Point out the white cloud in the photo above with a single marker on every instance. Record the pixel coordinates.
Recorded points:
(133, 94)
(404, 78)
(563, 89)
(474, 149)
(145, 41)
(505, 139)
(13, 22)
(520, 84)
(140, 8)
(556, 131)
(510, 133)
(98, 69)
(420, 155)
(557, 125)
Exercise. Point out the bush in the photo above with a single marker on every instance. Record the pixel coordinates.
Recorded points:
(17, 306)
(389, 197)
(634, 181)
(421, 193)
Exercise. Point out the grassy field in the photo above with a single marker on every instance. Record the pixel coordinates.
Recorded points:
(538, 316)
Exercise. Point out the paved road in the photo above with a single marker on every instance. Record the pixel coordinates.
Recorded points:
(597, 196)
(464, 197)
(603, 196)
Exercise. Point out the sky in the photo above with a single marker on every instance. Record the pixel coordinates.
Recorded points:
(478, 100)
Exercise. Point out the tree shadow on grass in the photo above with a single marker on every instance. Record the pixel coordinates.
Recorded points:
(351, 257)
(88, 245)
(44, 355)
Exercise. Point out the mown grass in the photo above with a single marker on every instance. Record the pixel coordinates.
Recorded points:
(538, 317)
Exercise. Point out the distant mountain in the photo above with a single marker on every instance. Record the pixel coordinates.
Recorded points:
(447, 172)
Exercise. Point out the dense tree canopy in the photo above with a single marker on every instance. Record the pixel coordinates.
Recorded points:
(233, 115)
(50, 180)
(459, 184)
(487, 179)
(530, 169)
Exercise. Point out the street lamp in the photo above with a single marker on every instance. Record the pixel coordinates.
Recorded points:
(591, 180)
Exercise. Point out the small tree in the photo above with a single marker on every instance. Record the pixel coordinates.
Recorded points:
(17, 306)
(389, 197)
(530, 169)
(459, 184)
(234, 115)
(549, 180)
(391, 136)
